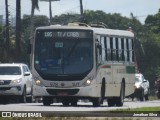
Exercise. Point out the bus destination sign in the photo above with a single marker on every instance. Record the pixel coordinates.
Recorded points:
(67, 34)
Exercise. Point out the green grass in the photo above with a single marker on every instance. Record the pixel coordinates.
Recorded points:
(153, 98)
(142, 109)
(146, 109)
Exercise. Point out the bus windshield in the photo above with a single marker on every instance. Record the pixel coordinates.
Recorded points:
(59, 55)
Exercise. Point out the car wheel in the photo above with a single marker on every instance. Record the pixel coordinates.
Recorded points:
(141, 97)
(146, 96)
(23, 96)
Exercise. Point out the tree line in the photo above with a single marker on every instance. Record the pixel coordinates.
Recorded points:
(147, 35)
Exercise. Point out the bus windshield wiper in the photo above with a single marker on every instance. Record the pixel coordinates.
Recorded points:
(73, 48)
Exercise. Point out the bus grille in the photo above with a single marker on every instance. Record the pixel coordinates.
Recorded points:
(62, 91)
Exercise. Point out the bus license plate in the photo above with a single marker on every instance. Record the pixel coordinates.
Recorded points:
(62, 94)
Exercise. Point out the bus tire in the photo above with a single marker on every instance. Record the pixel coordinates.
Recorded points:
(65, 102)
(111, 102)
(47, 101)
(96, 102)
(29, 99)
(120, 99)
(74, 102)
(102, 91)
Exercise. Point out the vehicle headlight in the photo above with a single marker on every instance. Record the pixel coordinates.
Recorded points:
(137, 86)
(87, 82)
(38, 82)
(17, 80)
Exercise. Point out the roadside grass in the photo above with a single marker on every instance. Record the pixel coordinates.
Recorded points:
(146, 109)
(152, 97)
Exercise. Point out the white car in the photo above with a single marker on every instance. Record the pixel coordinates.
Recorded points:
(141, 87)
(15, 82)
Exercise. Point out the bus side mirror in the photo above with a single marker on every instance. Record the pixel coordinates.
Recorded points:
(99, 49)
(29, 48)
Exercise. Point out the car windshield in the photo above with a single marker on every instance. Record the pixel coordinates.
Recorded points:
(63, 56)
(138, 78)
(13, 70)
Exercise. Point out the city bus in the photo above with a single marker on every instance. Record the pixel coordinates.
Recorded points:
(71, 63)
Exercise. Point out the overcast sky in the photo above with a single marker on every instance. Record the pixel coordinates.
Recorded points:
(139, 8)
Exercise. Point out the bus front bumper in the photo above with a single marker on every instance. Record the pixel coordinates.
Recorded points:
(87, 91)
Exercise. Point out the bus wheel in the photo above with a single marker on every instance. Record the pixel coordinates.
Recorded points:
(96, 102)
(111, 102)
(102, 91)
(74, 102)
(65, 102)
(120, 99)
(47, 101)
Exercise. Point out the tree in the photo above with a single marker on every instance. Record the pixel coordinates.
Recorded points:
(7, 32)
(50, 8)
(34, 6)
(18, 29)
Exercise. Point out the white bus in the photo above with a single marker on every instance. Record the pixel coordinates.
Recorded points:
(76, 62)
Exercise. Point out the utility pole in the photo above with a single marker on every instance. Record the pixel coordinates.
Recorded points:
(7, 31)
(50, 8)
(81, 7)
(18, 29)
(81, 11)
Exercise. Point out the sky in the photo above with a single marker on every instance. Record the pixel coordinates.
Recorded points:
(140, 8)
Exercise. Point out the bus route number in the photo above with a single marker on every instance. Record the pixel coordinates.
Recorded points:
(76, 84)
(54, 84)
(48, 34)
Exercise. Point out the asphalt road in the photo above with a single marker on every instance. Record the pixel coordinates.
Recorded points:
(83, 109)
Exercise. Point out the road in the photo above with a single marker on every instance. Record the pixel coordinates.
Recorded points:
(81, 109)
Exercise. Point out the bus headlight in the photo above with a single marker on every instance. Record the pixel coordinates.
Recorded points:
(38, 82)
(87, 82)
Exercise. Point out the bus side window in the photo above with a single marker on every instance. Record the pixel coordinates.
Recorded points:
(108, 49)
(133, 59)
(117, 48)
(130, 50)
(127, 43)
(98, 49)
(114, 49)
(125, 50)
(122, 46)
(111, 47)
(103, 48)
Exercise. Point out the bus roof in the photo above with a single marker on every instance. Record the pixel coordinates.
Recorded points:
(103, 31)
